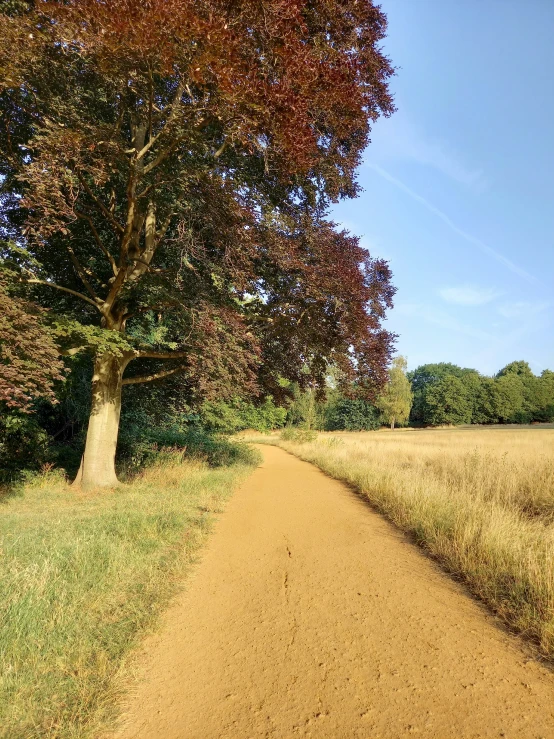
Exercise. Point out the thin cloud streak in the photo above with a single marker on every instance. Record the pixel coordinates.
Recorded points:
(443, 217)
(400, 139)
(469, 295)
(442, 319)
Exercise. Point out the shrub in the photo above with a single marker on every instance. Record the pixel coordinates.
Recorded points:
(237, 415)
(140, 447)
(302, 436)
(23, 445)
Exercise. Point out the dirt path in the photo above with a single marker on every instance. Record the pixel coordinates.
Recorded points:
(310, 616)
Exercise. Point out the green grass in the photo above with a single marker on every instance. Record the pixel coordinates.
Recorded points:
(82, 578)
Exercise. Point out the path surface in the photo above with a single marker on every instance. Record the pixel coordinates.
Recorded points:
(310, 616)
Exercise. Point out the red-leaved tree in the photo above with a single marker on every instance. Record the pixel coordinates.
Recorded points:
(169, 164)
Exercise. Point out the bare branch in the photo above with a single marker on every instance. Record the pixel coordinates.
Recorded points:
(154, 376)
(160, 355)
(98, 239)
(116, 287)
(174, 107)
(118, 227)
(81, 272)
(63, 289)
(163, 155)
(149, 267)
(74, 350)
(163, 230)
(222, 148)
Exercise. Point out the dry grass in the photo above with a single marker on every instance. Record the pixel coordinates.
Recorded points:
(481, 501)
(82, 576)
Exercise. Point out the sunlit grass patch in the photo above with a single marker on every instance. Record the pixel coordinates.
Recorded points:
(82, 575)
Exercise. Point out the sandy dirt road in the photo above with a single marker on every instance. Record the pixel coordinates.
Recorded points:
(310, 616)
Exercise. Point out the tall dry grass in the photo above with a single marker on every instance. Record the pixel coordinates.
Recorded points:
(481, 501)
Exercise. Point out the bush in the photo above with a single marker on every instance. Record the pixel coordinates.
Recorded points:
(140, 447)
(23, 445)
(301, 436)
(522, 417)
(237, 415)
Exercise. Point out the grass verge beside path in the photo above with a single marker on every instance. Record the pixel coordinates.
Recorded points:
(82, 576)
(479, 501)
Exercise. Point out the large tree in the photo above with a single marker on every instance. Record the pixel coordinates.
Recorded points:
(167, 166)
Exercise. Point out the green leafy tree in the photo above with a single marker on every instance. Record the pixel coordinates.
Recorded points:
(509, 397)
(307, 407)
(448, 402)
(545, 397)
(530, 383)
(395, 402)
(484, 401)
(352, 414)
(421, 379)
(167, 166)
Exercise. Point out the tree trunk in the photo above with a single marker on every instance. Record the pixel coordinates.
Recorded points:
(392, 425)
(98, 463)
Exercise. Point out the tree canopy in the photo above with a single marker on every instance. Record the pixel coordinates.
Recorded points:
(167, 167)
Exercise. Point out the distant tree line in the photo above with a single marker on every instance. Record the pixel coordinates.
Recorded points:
(433, 395)
(447, 394)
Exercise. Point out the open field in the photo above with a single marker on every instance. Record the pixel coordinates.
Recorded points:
(82, 576)
(480, 500)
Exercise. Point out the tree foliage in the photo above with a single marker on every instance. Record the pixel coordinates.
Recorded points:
(395, 402)
(29, 358)
(174, 159)
(167, 167)
(352, 414)
(448, 401)
(240, 414)
(445, 393)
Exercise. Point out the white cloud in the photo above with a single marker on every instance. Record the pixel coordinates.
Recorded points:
(468, 295)
(522, 308)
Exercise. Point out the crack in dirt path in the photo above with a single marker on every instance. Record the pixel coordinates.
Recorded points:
(356, 635)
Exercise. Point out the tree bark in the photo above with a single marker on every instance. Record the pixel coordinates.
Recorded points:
(98, 462)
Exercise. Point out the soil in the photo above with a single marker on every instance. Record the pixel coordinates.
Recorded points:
(311, 616)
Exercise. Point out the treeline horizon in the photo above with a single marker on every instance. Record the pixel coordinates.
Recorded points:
(445, 393)
(442, 394)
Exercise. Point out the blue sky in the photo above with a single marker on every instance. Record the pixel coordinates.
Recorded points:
(458, 184)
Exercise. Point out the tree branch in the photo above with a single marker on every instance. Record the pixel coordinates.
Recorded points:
(116, 287)
(163, 155)
(160, 355)
(98, 240)
(154, 376)
(81, 272)
(172, 115)
(74, 350)
(63, 289)
(118, 227)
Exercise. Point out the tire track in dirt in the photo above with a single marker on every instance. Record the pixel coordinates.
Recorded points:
(311, 616)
